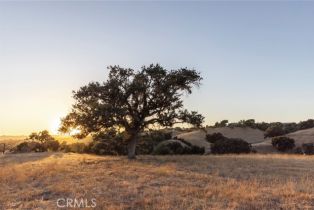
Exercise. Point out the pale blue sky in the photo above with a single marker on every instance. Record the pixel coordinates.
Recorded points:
(257, 58)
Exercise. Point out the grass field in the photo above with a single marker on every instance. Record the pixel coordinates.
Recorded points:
(37, 181)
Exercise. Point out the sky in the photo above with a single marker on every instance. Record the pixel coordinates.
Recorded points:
(256, 58)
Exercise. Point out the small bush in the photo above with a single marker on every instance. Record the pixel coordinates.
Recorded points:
(193, 148)
(222, 123)
(79, 148)
(262, 126)
(298, 150)
(75, 147)
(168, 135)
(308, 148)
(275, 130)
(177, 147)
(283, 143)
(212, 138)
(108, 147)
(29, 146)
(52, 145)
(225, 146)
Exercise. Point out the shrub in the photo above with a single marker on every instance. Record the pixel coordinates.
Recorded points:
(194, 149)
(298, 150)
(176, 147)
(108, 147)
(115, 145)
(283, 143)
(290, 127)
(222, 123)
(168, 135)
(52, 145)
(225, 146)
(274, 130)
(249, 123)
(29, 146)
(306, 124)
(78, 148)
(75, 147)
(212, 138)
(38, 142)
(308, 148)
(41, 136)
(262, 126)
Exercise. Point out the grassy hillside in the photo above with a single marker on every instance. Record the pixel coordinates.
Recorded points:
(32, 181)
(248, 134)
(302, 136)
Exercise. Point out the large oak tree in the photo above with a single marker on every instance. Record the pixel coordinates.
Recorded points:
(131, 101)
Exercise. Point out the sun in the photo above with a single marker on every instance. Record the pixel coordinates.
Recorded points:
(55, 125)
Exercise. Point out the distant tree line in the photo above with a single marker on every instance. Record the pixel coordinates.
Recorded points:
(271, 129)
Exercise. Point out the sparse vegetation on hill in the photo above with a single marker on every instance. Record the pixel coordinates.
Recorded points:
(177, 147)
(223, 145)
(271, 129)
(214, 137)
(274, 130)
(283, 143)
(308, 148)
(230, 146)
(37, 142)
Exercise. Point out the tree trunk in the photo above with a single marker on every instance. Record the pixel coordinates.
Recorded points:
(132, 146)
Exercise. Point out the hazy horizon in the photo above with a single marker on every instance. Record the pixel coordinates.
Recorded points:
(256, 58)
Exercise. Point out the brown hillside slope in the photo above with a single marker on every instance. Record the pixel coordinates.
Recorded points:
(302, 136)
(248, 134)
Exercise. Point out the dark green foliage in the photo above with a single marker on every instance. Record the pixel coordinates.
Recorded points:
(283, 143)
(75, 148)
(193, 148)
(212, 138)
(298, 150)
(290, 127)
(225, 146)
(308, 148)
(38, 142)
(274, 130)
(132, 101)
(176, 147)
(29, 146)
(306, 124)
(108, 148)
(262, 126)
(167, 135)
(249, 123)
(41, 136)
(148, 141)
(243, 124)
(104, 144)
(222, 123)
(52, 145)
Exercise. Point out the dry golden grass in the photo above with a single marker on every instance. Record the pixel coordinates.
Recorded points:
(36, 181)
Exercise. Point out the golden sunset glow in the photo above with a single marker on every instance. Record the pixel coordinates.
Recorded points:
(55, 125)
